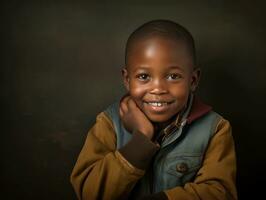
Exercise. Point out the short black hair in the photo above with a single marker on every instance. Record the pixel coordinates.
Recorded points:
(165, 28)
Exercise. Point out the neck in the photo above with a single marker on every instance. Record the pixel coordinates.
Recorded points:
(158, 126)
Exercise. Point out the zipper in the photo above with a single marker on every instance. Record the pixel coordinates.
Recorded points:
(172, 130)
(176, 127)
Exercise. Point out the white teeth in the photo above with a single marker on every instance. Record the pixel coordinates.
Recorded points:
(157, 104)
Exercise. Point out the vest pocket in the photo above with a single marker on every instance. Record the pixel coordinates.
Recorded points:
(181, 168)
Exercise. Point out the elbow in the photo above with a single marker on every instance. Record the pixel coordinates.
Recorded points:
(75, 182)
(224, 192)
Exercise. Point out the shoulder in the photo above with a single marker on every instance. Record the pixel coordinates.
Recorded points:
(223, 126)
(112, 110)
(204, 114)
(103, 118)
(108, 116)
(103, 131)
(220, 126)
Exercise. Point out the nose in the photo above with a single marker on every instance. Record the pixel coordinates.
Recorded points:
(158, 87)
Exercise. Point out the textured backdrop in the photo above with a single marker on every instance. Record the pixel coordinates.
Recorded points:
(61, 65)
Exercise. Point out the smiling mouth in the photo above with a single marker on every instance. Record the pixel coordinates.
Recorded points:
(158, 103)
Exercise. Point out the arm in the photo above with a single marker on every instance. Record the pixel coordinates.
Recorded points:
(101, 171)
(216, 178)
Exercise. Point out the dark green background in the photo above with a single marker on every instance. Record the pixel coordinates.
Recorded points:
(61, 65)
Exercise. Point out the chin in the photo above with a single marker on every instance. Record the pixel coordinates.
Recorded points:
(158, 118)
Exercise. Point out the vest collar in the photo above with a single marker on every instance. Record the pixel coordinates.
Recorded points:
(194, 110)
(198, 109)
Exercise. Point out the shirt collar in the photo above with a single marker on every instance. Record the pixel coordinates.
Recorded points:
(198, 109)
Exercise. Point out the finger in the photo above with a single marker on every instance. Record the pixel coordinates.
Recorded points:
(121, 113)
(126, 100)
(124, 106)
(127, 94)
(132, 103)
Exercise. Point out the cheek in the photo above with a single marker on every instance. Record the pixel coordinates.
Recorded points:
(180, 92)
(136, 91)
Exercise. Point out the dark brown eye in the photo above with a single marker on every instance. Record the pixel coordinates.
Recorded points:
(143, 77)
(174, 76)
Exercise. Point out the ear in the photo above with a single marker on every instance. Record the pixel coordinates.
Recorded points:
(195, 79)
(125, 78)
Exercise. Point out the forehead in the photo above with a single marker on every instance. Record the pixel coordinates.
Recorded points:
(159, 51)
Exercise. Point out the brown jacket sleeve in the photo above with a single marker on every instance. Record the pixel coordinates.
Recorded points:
(216, 178)
(101, 171)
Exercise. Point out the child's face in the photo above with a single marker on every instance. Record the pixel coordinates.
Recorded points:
(159, 77)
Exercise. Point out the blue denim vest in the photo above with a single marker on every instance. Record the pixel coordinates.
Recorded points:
(180, 156)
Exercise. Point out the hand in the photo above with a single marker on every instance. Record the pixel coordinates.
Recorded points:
(134, 119)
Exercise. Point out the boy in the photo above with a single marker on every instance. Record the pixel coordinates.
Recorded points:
(160, 141)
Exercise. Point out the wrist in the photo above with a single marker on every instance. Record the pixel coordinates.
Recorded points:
(147, 133)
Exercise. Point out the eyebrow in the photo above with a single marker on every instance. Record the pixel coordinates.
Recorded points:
(141, 67)
(147, 67)
(176, 67)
